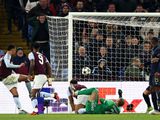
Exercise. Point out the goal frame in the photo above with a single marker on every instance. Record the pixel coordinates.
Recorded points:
(70, 29)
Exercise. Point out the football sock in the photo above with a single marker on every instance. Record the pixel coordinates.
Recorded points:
(147, 100)
(87, 91)
(34, 102)
(154, 100)
(17, 102)
(29, 88)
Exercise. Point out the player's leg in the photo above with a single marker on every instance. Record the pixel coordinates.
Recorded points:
(89, 91)
(78, 106)
(38, 83)
(34, 94)
(146, 94)
(81, 102)
(27, 80)
(15, 95)
(51, 95)
(92, 100)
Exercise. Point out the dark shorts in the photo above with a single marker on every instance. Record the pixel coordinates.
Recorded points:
(154, 81)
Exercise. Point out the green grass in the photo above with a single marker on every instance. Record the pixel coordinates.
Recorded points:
(80, 117)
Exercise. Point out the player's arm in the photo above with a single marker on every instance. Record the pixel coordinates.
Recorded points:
(49, 73)
(32, 63)
(70, 97)
(11, 65)
(31, 67)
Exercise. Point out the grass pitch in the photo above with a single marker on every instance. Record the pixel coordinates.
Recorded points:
(79, 117)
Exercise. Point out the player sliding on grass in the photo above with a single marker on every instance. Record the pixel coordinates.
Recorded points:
(105, 106)
(40, 67)
(9, 78)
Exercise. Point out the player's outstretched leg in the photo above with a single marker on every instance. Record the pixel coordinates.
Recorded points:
(27, 80)
(17, 101)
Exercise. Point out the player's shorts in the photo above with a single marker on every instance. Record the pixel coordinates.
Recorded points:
(39, 81)
(82, 99)
(11, 81)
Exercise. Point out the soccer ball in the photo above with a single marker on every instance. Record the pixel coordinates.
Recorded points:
(86, 71)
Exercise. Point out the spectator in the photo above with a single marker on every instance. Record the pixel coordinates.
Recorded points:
(81, 60)
(145, 56)
(11, 8)
(140, 8)
(40, 8)
(94, 47)
(65, 10)
(135, 47)
(103, 53)
(111, 7)
(80, 6)
(37, 19)
(101, 72)
(30, 4)
(111, 48)
(21, 58)
(134, 70)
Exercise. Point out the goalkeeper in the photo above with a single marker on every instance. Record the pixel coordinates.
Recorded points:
(105, 106)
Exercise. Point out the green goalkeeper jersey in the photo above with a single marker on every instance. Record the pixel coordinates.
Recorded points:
(106, 106)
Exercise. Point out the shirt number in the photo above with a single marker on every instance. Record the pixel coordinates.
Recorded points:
(41, 61)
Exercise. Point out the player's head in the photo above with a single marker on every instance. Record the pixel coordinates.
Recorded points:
(154, 41)
(73, 82)
(35, 47)
(11, 49)
(120, 102)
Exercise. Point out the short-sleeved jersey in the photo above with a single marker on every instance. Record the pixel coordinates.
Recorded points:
(4, 71)
(6, 66)
(40, 62)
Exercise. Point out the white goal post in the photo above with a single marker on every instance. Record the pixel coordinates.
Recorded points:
(66, 38)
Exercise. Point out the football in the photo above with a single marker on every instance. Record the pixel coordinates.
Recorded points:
(86, 71)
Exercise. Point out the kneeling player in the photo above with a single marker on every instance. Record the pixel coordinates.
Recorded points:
(105, 106)
(80, 99)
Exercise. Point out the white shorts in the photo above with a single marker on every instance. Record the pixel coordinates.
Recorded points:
(82, 99)
(11, 81)
(39, 81)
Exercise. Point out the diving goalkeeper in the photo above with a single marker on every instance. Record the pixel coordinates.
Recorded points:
(105, 106)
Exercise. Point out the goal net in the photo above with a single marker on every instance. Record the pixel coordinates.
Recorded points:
(102, 46)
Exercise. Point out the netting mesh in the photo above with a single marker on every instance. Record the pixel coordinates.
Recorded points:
(58, 33)
(105, 48)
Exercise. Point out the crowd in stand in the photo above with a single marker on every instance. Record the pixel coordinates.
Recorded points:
(113, 52)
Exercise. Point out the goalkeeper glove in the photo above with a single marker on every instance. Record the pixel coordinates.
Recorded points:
(120, 93)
